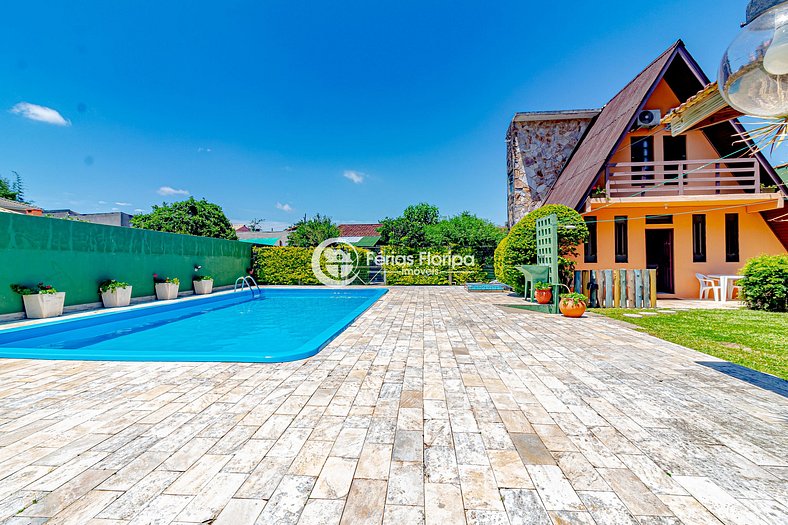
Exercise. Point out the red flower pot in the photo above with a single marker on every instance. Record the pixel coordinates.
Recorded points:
(543, 296)
(571, 308)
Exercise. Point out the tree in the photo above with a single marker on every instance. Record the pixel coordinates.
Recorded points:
(519, 247)
(409, 229)
(465, 231)
(192, 217)
(12, 190)
(311, 232)
(256, 225)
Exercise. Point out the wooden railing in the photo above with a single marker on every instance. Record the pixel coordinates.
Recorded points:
(687, 177)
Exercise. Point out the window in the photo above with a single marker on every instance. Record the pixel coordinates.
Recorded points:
(698, 238)
(642, 150)
(731, 237)
(622, 241)
(659, 219)
(674, 148)
(589, 247)
(511, 183)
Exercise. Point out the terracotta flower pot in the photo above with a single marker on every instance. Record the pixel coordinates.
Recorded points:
(543, 296)
(571, 308)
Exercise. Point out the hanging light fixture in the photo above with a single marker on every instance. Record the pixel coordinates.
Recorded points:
(753, 76)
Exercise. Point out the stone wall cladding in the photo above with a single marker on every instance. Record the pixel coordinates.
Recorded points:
(536, 153)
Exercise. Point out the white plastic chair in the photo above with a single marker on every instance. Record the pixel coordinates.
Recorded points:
(707, 284)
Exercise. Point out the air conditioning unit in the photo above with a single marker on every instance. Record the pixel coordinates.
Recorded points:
(648, 118)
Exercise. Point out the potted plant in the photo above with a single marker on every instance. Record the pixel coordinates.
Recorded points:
(166, 287)
(42, 301)
(543, 292)
(203, 284)
(573, 304)
(115, 293)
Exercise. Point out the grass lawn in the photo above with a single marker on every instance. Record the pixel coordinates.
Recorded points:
(757, 340)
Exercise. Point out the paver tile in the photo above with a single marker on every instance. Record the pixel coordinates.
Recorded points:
(436, 406)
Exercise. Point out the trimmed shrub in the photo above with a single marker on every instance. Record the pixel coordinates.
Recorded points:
(293, 265)
(519, 247)
(765, 283)
(404, 267)
(498, 258)
(283, 265)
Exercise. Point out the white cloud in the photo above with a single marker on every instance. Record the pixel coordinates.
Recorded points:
(284, 207)
(354, 176)
(40, 114)
(169, 190)
(122, 204)
(138, 210)
(102, 202)
(204, 150)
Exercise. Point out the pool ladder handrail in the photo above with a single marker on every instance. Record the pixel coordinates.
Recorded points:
(248, 280)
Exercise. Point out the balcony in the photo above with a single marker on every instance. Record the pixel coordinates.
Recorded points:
(688, 178)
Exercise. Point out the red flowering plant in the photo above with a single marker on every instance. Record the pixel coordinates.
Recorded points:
(40, 288)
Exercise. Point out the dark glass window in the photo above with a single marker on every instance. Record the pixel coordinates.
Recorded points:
(511, 183)
(731, 237)
(642, 150)
(659, 219)
(674, 148)
(589, 248)
(698, 238)
(622, 240)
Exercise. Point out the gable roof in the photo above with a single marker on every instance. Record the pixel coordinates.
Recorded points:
(606, 132)
(575, 180)
(359, 230)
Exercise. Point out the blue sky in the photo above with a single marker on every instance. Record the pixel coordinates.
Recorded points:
(353, 109)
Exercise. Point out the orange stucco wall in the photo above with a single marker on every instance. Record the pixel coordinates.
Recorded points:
(663, 99)
(755, 238)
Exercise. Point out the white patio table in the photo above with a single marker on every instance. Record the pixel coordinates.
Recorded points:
(725, 285)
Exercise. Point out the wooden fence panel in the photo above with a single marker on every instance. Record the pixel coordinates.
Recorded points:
(619, 288)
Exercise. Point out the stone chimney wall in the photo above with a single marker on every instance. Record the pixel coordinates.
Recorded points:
(537, 151)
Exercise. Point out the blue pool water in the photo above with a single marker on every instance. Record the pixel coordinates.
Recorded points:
(278, 325)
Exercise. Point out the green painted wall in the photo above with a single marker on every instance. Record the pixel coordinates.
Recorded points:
(75, 256)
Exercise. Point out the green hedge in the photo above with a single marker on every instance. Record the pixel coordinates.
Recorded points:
(293, 265)
(765, 283)
(401, 271)
(519, 247)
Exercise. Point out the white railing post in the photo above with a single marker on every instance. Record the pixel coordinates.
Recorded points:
(757, 175)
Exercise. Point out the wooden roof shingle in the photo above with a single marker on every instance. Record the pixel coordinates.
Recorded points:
(616, 118)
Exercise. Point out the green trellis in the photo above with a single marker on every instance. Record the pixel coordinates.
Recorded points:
(547, 251)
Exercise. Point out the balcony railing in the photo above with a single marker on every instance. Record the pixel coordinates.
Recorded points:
(687, 177)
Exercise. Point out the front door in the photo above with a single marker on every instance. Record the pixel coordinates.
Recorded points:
(659, 256)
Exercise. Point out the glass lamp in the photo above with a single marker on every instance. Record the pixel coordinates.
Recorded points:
(753, 76)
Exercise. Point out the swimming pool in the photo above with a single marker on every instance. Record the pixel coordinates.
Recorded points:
(277, 325)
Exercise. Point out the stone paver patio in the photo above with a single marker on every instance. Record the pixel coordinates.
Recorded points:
(435, 405)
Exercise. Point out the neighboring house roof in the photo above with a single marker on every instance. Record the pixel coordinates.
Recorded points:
(782, 172)
(16, 206)
(617, 118)
(242, 228)
(262, 241)
(606, 131)
(368, 241)
(359, 230)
